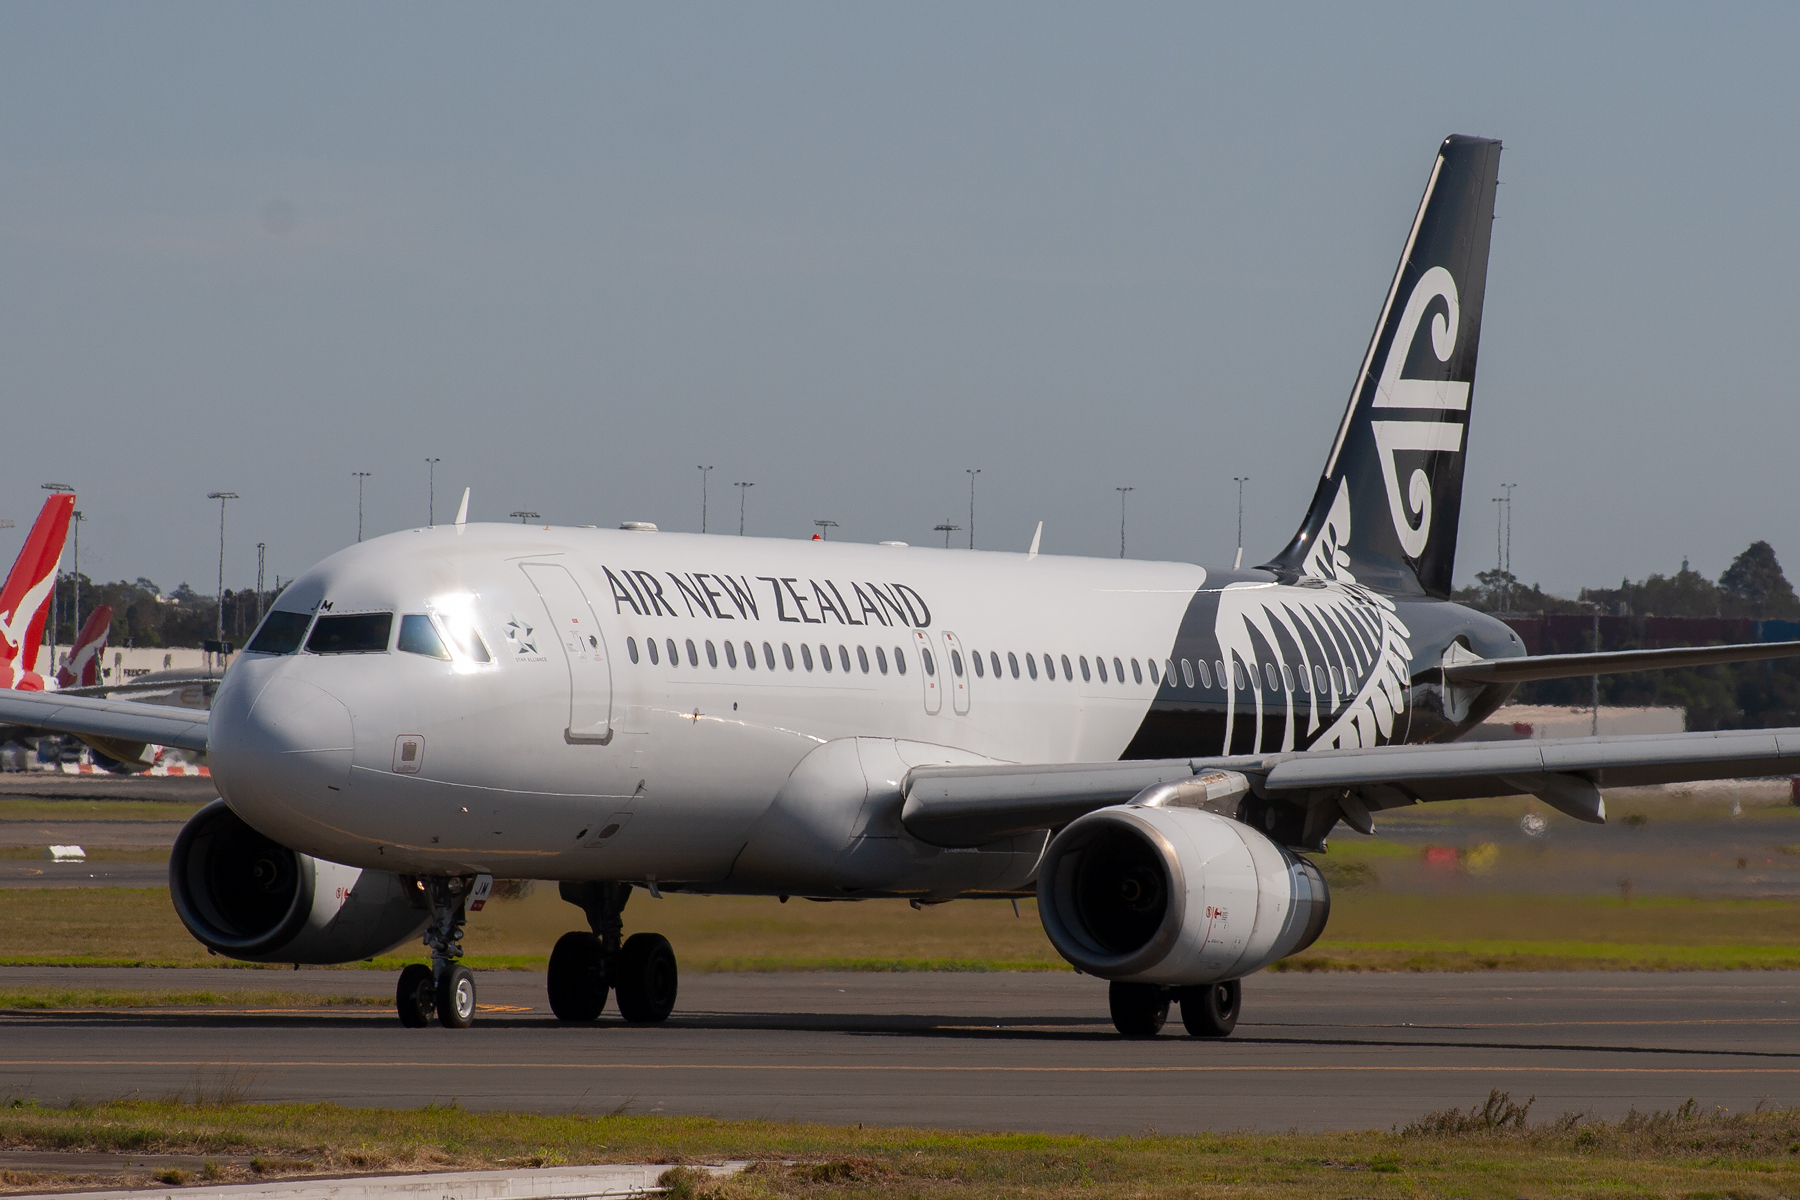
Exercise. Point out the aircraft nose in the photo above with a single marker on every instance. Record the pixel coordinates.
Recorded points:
(291, 741)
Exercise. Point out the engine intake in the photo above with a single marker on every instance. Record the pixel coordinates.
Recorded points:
(251, 898)
(1175, 896)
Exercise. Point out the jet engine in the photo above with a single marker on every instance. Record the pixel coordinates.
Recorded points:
(251, 898)
(1175, 896)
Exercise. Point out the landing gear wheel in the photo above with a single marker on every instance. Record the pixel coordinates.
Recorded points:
(647, 981)
(577, 982)
(416, 996)
(1211, 1010)
(1138, 1009)
(456, 998)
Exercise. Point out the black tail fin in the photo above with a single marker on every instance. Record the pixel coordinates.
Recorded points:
(1386, 509)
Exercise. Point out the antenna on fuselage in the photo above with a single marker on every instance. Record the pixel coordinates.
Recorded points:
(1035, 539)
(462, 511)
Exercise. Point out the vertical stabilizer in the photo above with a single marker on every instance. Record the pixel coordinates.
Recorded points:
(1386, 508)
(83, 667)
(25, 599)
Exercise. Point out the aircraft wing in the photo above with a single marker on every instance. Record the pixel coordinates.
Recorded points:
(1570, 666)
(971, 806)
(121, 722)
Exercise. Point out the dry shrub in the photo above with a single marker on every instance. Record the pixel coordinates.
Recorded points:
(1496, 1115)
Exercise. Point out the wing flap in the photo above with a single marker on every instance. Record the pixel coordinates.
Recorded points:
(1573, 666)
(114, 720)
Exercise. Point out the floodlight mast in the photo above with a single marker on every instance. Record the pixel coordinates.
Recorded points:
(360, 477)
(222, 497)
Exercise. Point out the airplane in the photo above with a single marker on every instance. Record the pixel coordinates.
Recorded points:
(25, 597)
(1151, 749)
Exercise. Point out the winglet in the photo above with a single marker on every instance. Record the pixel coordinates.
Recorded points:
(1035, 539)
(462, 510)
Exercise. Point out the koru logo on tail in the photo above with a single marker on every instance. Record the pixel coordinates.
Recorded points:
(1393, 437)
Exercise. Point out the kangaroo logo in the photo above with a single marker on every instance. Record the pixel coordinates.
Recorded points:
(1393, 437)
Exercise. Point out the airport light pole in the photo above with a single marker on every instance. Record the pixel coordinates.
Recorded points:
(1122, 492)
(946, 529)
(704, 472)
(54, 607)
(825, 528)
(430, 495)
(973, 472)
(360, 477)
(262, 549)
(743, 490)
(1507, 558)
(222, 497)
(524, 516)
(1240, 480)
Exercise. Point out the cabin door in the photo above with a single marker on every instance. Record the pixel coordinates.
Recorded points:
(584, 648)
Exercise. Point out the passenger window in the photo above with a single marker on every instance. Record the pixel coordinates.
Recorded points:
(750, 655)
(281, 633)
(769, 656)
(1068, 674)
(1013, 660)
(1303, 679)
(1085, 677)
(1100, 665)
(1237, 673)
(631, 648)
(650, 645)
(806, 656)
(994, 658)
(975, 658)
(712, 655)
(356, 633)
(1187, 673)
(825, 657)
(862, 659)
(730, 655)
(844, 658)
(1337, 679)
(1273, 679)
(1169, 671)
(956, 662)
(881, 660)
(899, 661)
(930, 664)
(674, 654)
(1287, 676)
(1031, 665)
(1049, 667)
(1118, 669)
(1150, 665)
(419, 636)
(1219, 670)
(787, 655)
(1321, 681)
(1135, 672)
(1205, 675)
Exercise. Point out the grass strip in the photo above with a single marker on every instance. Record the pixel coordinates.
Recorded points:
(1491, 1149)
(58, 998)
(1537, 956)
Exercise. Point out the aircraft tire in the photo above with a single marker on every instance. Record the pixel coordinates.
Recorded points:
(1211, 1009)
(456, 998)
(1138, 1009)
(577, 982)
(647, 979)
(415, 996)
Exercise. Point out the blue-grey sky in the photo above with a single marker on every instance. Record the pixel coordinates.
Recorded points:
(847, 252)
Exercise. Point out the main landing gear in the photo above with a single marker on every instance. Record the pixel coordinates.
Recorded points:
(445, 988)
(585, 966)
(1208, 1010)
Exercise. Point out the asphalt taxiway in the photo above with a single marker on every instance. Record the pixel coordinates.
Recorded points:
(995, 1051)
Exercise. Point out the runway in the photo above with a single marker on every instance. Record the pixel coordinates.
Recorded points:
(993, 1051)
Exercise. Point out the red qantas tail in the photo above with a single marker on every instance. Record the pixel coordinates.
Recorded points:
(25, 600)
(83, 667)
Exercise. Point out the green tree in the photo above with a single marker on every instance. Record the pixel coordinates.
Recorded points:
(1754, 586)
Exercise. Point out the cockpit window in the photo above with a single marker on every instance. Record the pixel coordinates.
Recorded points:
(281, 633)
(419, 636)
(355, 633)
(468, 643)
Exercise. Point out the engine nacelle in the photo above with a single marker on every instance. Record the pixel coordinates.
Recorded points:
(251, 898)
(1175, 896)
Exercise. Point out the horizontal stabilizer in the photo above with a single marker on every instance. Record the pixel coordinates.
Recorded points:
(116, 720)
(1572, 666)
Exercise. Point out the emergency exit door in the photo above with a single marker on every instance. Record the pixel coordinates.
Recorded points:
(584, 648)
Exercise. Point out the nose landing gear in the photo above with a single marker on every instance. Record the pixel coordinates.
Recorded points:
(445, 988)
(585, 966)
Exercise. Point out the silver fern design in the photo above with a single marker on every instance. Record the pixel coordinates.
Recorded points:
(1348, 642)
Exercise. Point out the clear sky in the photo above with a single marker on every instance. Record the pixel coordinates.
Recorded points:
(847, 252)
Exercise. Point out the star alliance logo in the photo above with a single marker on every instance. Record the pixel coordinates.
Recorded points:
(519, 633)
